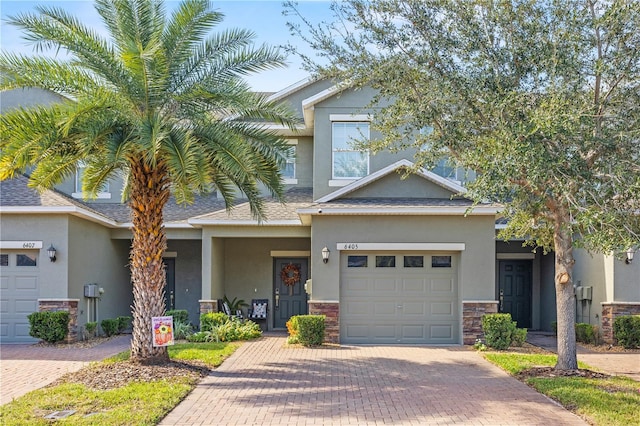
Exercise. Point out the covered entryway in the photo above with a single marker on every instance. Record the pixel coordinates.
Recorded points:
(289, 296)
(19, 292)
(406, 297)
(514, 290)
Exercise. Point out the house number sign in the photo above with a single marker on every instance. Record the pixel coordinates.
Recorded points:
(20, 244)
(350, 246)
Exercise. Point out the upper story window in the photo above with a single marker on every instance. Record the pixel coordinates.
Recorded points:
(104, 191)
(347, 162)
(289, 170)
(447, 170)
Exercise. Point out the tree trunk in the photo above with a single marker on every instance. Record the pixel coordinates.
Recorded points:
(565, 303)
(149, 194)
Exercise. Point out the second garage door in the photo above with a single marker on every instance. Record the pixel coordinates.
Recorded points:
(406, 298)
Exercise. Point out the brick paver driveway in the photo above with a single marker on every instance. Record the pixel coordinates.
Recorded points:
(267, 383)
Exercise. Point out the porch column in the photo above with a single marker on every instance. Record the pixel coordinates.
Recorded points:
(212, 273)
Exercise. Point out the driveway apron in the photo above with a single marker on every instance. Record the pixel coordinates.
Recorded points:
(267, 383)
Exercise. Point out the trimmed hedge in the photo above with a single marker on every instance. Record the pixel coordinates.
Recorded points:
(308, 330)
(123, 323)
(110, 326)
(49, 326)
(585, 333)
(626, 330)
(498, 329)
(212, 319)
(179, 315)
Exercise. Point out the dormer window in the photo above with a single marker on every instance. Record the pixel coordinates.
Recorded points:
(80, 168)
(347, 162)
(289, 170)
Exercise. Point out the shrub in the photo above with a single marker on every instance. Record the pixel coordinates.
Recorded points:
(554, 327)
(179, 315)
(498, 329)
(292, 328)
(626, 330)
(212, 319)
(123, 323)
(110, 326)
(584, 333)
(203, 337)
(229, 331)
(181, 330)
(518, 337)
(90, 329)
(309, 329)
(49, 326)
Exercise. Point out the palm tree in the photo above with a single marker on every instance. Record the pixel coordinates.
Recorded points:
(162, 102)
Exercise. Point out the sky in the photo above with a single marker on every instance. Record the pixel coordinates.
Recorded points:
(263, 17)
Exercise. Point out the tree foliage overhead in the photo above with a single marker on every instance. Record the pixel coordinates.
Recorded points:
(541, 97)
(162, 102)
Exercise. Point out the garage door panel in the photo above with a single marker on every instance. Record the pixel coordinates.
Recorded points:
(441, 309)
(383, 286)
(18, 297)
(22, 330)
(414, 286)
(25, 306)
(4, 283)
(411, 305)
(441, 331)
(442, 285)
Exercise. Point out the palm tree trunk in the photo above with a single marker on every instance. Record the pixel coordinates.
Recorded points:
(149, 194)
(565, 303)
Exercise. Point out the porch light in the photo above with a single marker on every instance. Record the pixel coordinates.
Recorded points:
(629, 258)
(325, 254)
(51, 251)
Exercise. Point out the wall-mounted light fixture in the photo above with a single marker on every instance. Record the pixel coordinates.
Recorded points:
(630, 254)
(325, 254)
(51, 251)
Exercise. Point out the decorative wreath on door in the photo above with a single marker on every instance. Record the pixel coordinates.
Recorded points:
(290, 275)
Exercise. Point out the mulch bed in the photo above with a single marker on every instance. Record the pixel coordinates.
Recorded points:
(550, 372)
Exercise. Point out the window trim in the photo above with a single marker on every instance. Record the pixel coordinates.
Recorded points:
(335, 178)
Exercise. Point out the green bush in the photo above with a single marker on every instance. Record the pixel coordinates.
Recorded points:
(229, 331)
(554, 327)
(585, 333)
(518, 337)
(181, 330)
(123, 323)
(90, 329)
(626, 330)
(292, 328)
(49, 326)
(212, 319)
(498, 329)
(179, 315)
(310, 329)
(110, 326)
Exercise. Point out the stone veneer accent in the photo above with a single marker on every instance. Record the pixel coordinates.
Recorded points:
(207, 306)
(472, 313)
(69, 305)
(332, 322)
(612, 310)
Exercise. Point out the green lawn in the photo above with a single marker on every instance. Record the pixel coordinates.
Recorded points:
(612, 401)
(138, 403)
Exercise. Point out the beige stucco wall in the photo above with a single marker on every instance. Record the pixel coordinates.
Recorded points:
(627, 280)
(95, 258)
(51, 229)
(477, 262)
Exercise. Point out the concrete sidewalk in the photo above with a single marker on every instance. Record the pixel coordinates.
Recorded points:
(614, 363)
(267, 383)
(26, 367)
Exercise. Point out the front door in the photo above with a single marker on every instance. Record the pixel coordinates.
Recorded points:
(289, 296)
(170, 288)
(514, 290)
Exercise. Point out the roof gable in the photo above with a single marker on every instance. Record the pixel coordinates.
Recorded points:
(365, 187)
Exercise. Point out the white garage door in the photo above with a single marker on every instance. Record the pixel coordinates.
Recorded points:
(19, 294)
(406, 298)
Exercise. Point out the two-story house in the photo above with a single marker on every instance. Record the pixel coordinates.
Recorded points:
(387, 259)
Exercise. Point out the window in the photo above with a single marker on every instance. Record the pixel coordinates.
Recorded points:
(26, 260)
(385, 261)
(289, 169)
(4, 260)
(349, 163)
(441, 261)
(357, 261)
(414, 261)
(104, 191)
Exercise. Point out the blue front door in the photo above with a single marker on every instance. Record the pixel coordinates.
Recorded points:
(289, 296)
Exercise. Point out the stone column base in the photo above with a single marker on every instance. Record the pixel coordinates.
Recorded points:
(208, 306)
(612, 310)
(69, 305)
(332, 322)
(472, 312)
